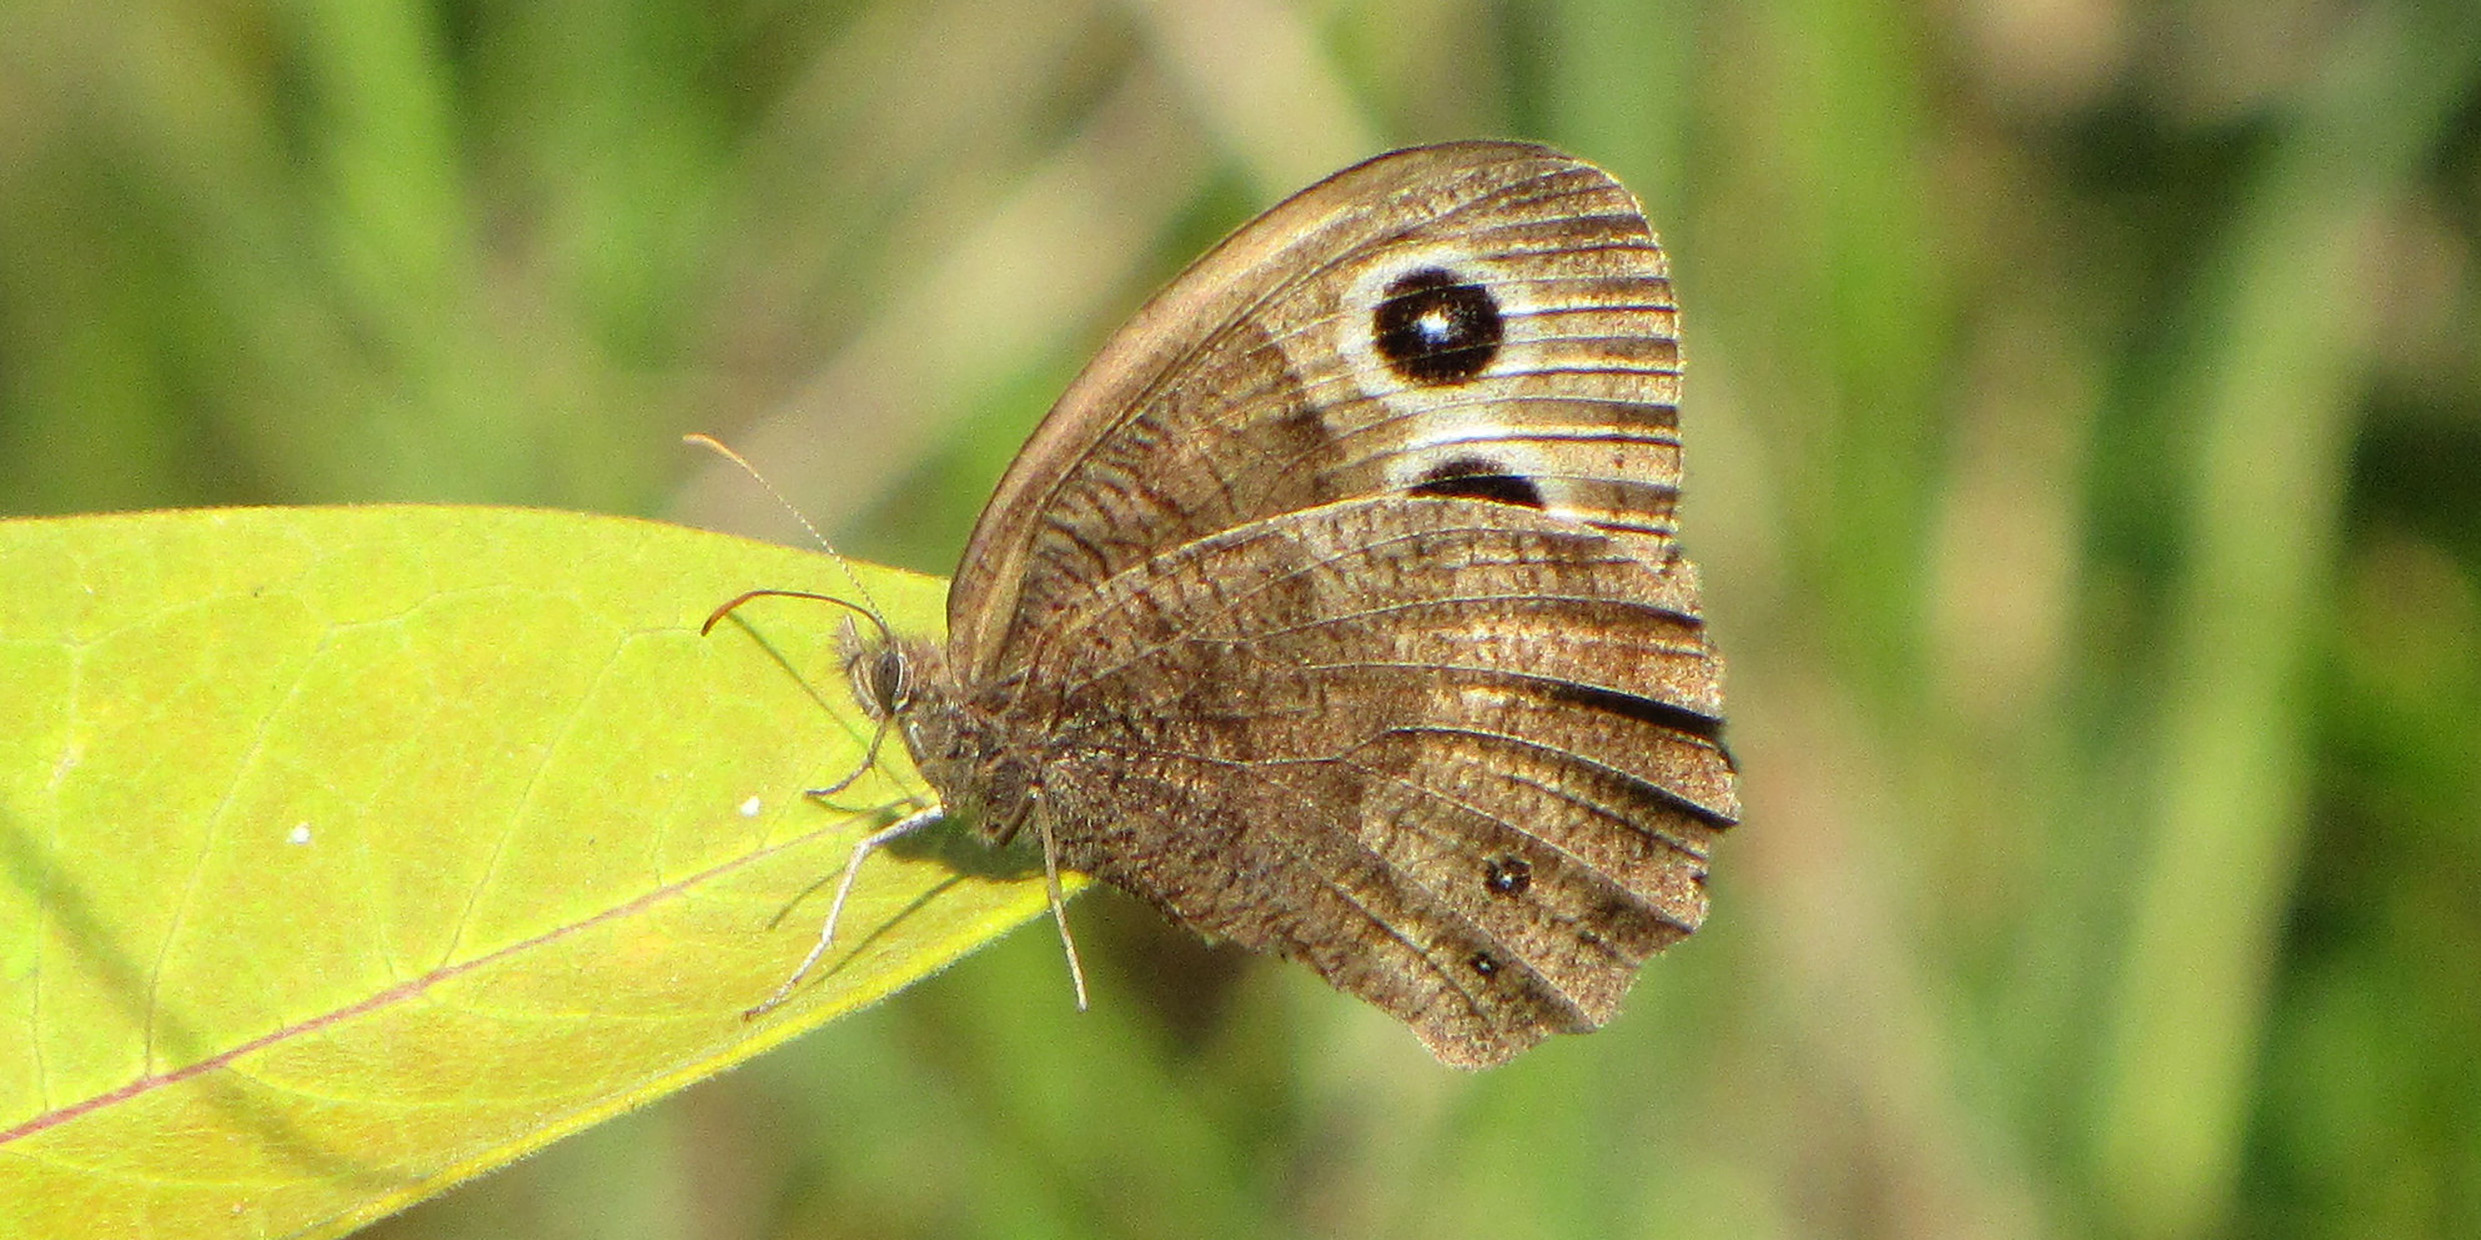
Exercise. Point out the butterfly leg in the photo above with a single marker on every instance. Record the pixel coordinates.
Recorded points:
(869, 844)
(1059, 906)
(868, 760)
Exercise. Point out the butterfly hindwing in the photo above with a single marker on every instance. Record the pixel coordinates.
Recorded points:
(1455, 756)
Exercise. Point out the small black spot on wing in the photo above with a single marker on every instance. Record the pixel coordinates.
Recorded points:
(1507, 876)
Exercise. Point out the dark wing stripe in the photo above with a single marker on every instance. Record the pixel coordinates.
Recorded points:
(1710, 817)
(1643, 709)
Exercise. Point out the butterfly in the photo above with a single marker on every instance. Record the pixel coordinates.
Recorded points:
(1337, 609)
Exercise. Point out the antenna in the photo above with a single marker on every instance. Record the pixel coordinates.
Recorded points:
(870, 606)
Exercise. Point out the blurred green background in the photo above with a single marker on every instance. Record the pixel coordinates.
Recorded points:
(2085, 446)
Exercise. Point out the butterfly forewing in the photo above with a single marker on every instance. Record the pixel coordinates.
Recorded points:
(1256, 384)
(1335, 609)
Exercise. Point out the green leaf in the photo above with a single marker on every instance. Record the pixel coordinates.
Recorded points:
(347, 853)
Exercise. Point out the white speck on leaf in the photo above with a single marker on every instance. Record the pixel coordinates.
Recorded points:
(70, 756)
(751, 807)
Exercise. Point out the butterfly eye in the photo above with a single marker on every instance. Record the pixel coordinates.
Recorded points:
(891, 679)
(1435, 329)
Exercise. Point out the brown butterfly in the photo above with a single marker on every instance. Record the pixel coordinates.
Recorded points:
(1337, 609)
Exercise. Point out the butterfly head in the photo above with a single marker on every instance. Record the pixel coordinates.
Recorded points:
(955, 747)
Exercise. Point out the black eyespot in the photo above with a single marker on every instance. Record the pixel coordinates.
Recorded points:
(1483, 964)
(1473, 477)
(1435, 329)
(1507, 876)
